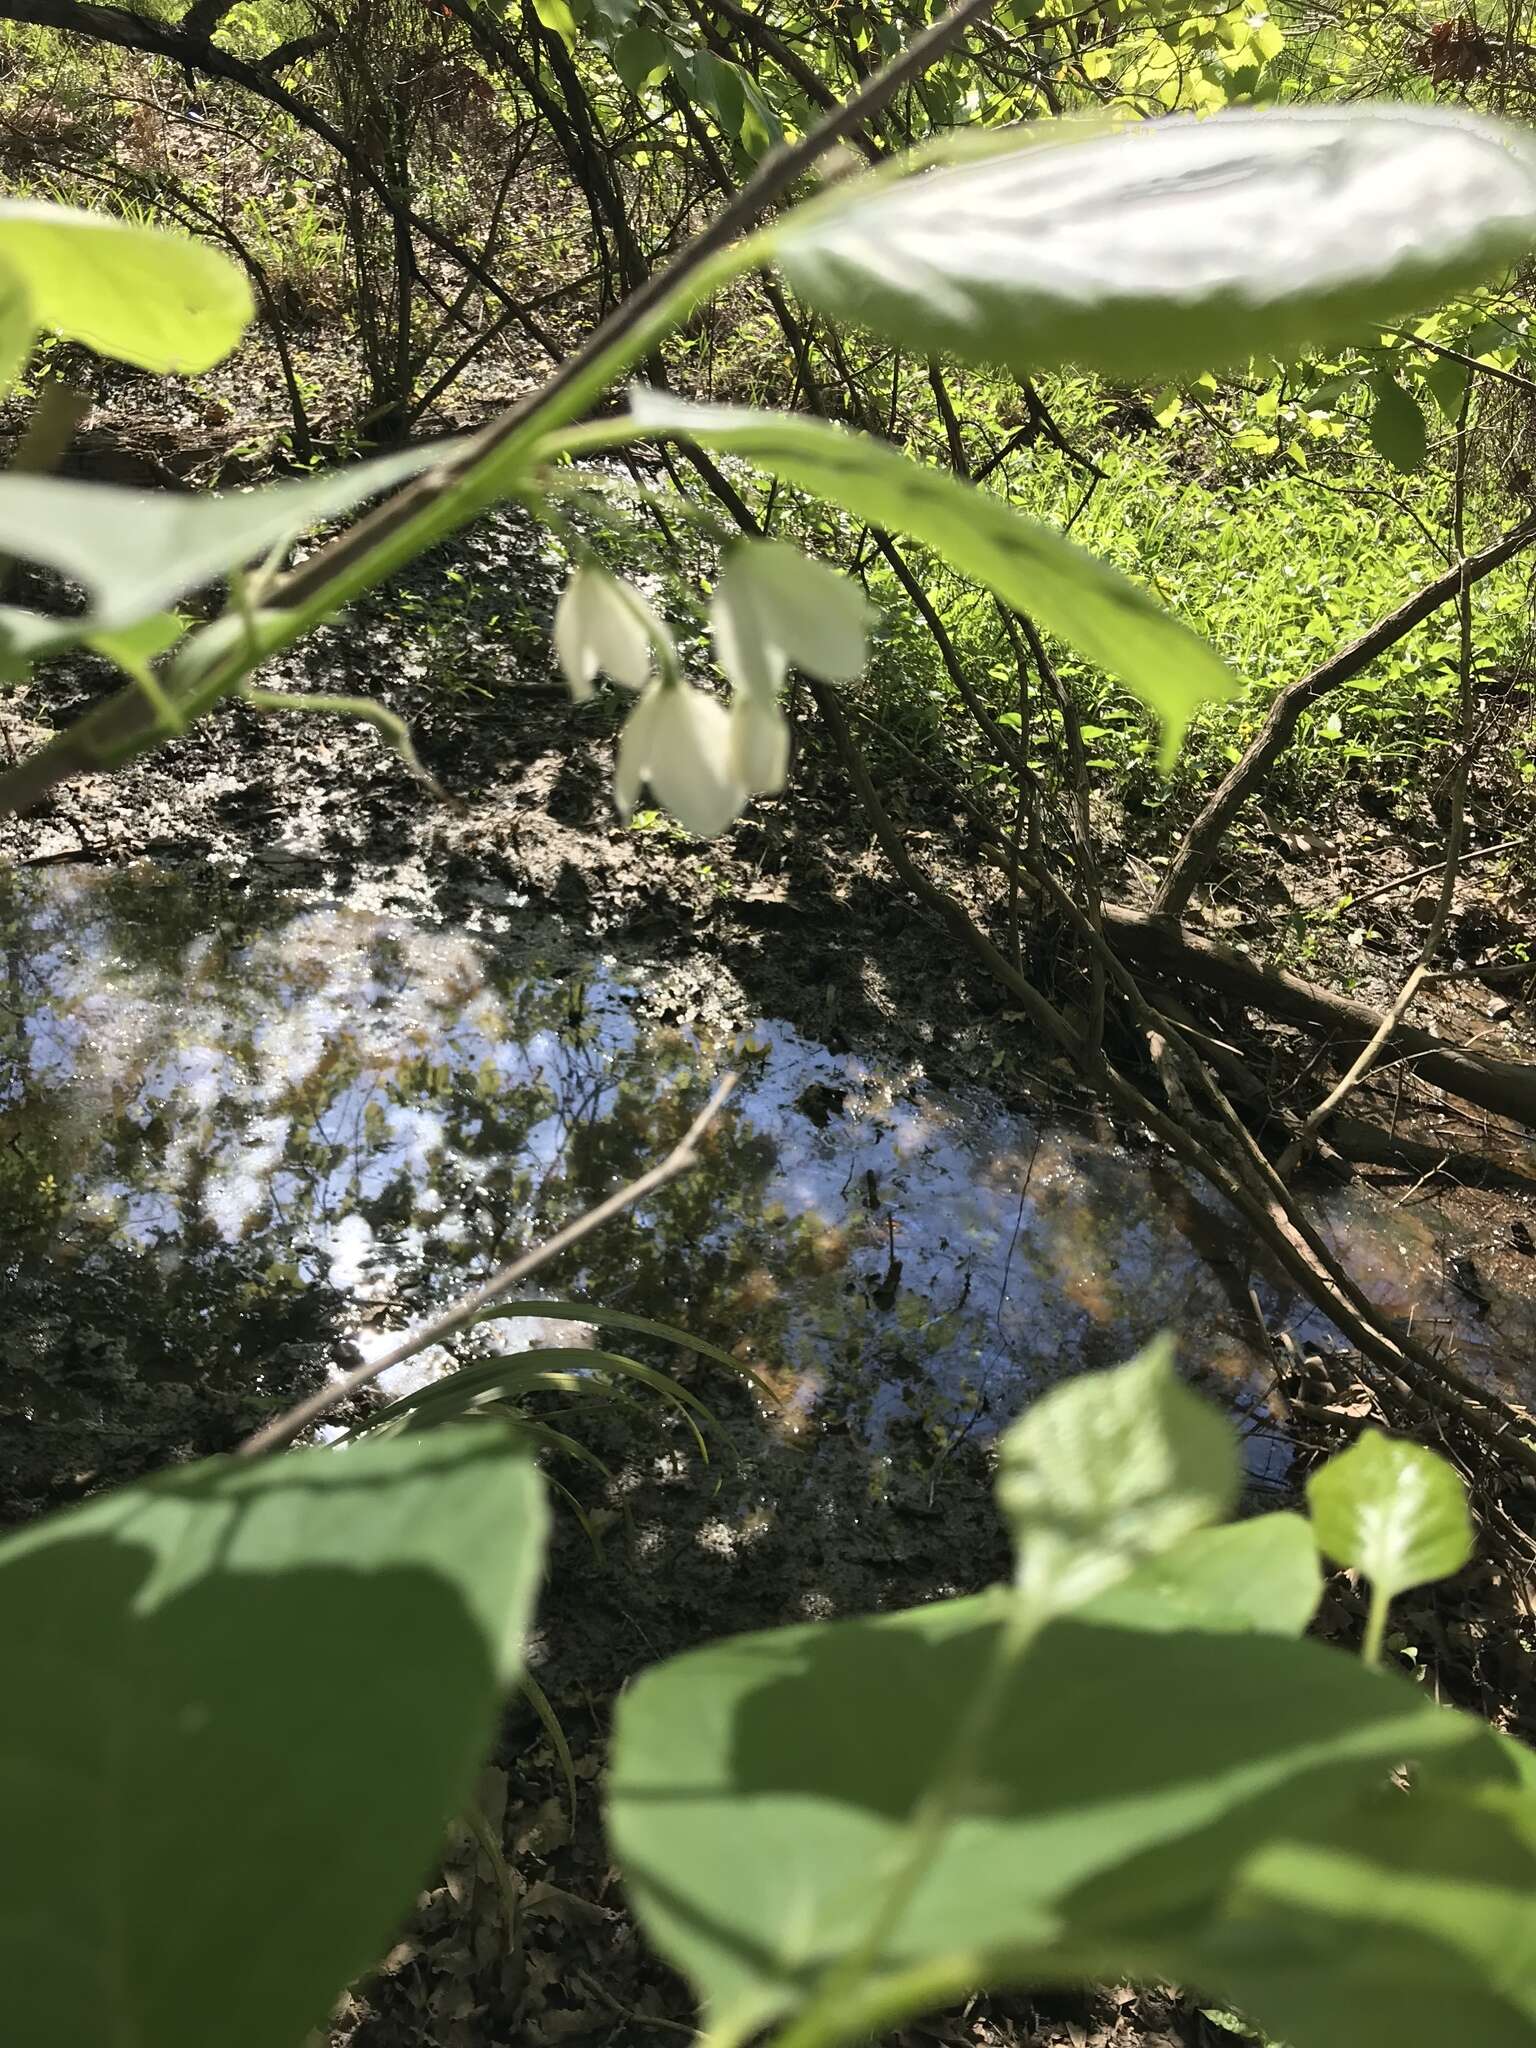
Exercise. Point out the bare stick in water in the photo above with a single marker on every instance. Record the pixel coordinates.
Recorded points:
(684, 1155)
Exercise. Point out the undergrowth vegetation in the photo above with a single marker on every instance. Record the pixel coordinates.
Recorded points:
(913, 374)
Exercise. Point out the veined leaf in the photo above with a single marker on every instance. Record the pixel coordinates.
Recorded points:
(1106, 1472)
(1261, 1575)
(1398, 429)
(642, 54)
(1392, 1510)
(246, 1699)
(1173, 245)
(1405, 1919)
(144, 295)
(1131, 1780)
(137, 552)
(1070, 592)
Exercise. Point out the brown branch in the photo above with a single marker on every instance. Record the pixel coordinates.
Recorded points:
(1507, 1087)
(1278, 729)
(776, 173)
(1427, 1387)
(272, 1436)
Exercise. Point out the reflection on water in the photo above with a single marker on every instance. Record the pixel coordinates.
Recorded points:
(229, 1126)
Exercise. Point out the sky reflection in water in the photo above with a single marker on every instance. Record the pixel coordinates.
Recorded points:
(387, 1106)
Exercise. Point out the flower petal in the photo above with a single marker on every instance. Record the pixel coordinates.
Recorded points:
(633, 761)
(773, 606)
(691, 763)
(760, 743)
(578, 662)
(602, 622)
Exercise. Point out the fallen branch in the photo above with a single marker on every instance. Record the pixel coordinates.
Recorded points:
(1371, 1145)
(284, 1428)
(1506, 1087)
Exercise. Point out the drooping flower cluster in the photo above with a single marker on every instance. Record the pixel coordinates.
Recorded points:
(772, 608)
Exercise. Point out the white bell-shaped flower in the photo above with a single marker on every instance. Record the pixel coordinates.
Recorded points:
(760, 740)
(603, 623)
(681, 743)
(774, 606)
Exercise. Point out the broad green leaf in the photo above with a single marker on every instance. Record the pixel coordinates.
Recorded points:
(1168, 246)
(27, 638)
(144, 641)
(642, 55)
(137, 552)
(18, 325)
(1407, 1919)
(1106, 1471)
(1260, 1575)
(1397, 425)
(761, 1787)
(1392, 1510)
(774, 607)
(760, 124)
(243, 1701)
(145, 295)
(1446, 381)
(1093, 607)
(558, 19)
(716, 85)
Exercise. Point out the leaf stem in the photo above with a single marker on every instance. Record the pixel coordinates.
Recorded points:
(1376, 1625)
(824, 2020)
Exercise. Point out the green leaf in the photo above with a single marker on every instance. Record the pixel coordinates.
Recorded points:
(1446, 381)
(1170, 246)
(144, 641)
(716, 85)
(1093, 607)
(616, 1319)
(245, 1699)
(761, 128)
(1398, 430)
(137, 552)
(1108, 1470)
(761, 1787)
(1392, 1510)
(558, 19)
(159, 300)
(1260, 1575)
(18, 325)
(641, 56)
(1407, 1919)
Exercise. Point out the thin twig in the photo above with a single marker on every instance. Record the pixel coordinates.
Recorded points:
(1189, 864)
(774, 176)
(684, 1154)
(1423, 874)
